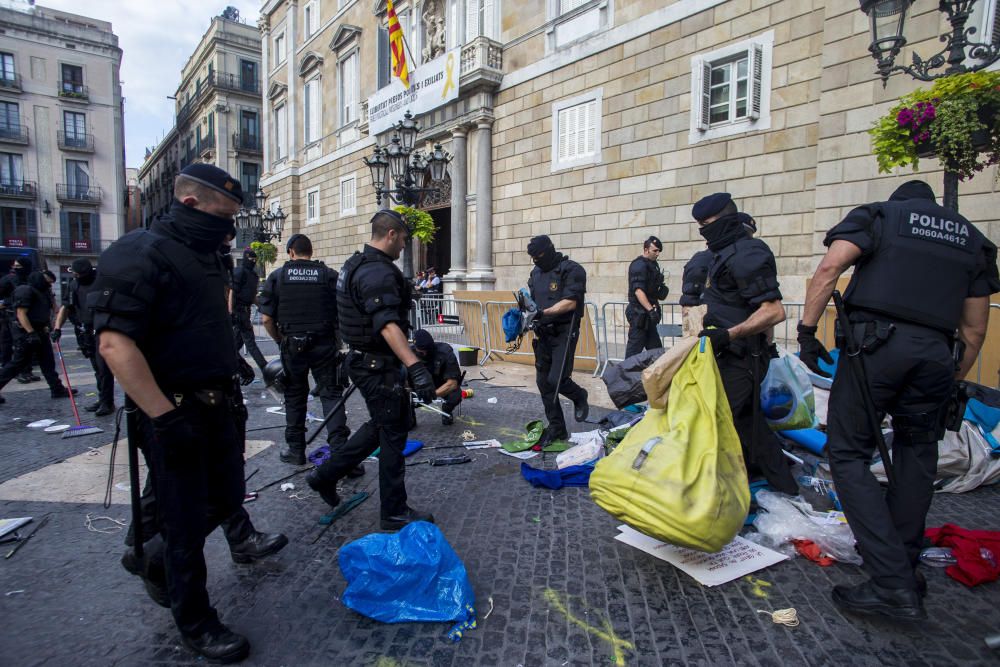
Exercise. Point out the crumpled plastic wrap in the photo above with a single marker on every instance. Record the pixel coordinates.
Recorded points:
(787, 519)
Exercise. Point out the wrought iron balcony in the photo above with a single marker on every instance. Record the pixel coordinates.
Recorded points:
(78, 194)
(248, 143)
(10, 82)
(206, 145)
(14, 134)
(71, 90)
(68, 246)
(482, 64)
(11, 189)
(235, 82)
(76, 141)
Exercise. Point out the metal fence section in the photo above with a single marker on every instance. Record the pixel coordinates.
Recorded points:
(587, 347)
(450, 320)
(613, 330)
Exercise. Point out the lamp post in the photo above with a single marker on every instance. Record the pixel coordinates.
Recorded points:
(263, 224)
(888, 22)
(412, 172)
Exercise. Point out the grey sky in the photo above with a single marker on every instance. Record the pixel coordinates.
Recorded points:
(157, 37)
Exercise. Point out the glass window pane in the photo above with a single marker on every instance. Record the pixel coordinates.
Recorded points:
(719, 114)
(720, 74)
(720, 95)
(741, 69)
(741, 89)
(741, 109)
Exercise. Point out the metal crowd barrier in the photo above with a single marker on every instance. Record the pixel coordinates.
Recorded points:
(613, 330)
(587, 347)
(450, 320)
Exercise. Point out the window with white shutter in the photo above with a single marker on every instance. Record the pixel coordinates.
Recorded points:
(312, 206)
(576, 131)
(281, 132)
(566, 6)
(279, 48)
(312, 112)
(310, 15)
(481, 19)
(348, 195)
(348, 92)
(730, 89)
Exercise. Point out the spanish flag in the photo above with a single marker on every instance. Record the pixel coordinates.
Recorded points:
(396, 44)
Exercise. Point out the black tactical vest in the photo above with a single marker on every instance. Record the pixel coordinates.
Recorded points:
(548, 287)
(726, 306)
(356, 326)
(245, 283)
(78, 300)
(38, 304)
(645, 274)
(306, 300)
(191, 345)
(924, 260)
(694, 277)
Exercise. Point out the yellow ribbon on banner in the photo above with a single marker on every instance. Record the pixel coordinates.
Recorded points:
(449, 82)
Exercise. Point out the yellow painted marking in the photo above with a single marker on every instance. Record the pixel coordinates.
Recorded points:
(607, 634)
(758, 586)
(387, 662)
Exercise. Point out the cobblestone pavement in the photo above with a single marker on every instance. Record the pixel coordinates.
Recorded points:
(558, 588)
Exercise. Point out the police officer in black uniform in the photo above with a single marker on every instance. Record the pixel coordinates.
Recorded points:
(374, 300)
(74, 307)
(19, 271)
(646, 288)
(298, 306)
(164, 329)
(242, 296)
(32, 305)
(443, 365)
(907, 320)
(696, 270)
(744, 303)
(558, 285)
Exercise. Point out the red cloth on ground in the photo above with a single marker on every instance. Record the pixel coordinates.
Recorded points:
(809, 549)
(971, 568)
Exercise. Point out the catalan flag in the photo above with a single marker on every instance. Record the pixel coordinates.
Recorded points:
(397, 46)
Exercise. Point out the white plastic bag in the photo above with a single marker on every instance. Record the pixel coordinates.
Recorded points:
(580, 455)
(787, 519)
(786, 395)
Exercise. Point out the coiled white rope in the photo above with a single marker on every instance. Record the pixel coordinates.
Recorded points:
(787, 617)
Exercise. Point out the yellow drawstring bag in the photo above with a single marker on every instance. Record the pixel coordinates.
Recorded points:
(679, 474)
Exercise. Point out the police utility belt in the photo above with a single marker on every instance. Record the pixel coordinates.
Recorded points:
(870, 331)
(212, 398)
(376, 361)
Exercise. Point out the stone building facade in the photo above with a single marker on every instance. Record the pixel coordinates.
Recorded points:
(598, 123)
(218, 117)
(62, 160)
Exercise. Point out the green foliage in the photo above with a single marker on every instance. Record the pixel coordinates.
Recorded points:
(421, 221)
(954, 113)
(266, 254)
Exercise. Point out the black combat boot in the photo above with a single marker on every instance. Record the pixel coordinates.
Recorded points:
(408, 516)
(257, 546)
(62, 392)
(220, 645)
(104, 409)
(326, 490)
(581, 409)
(870, 598)
(93, 407)
(294, 453)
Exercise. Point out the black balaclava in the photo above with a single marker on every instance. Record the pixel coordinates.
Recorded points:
(724, 231)
(543, 253)
(84, 269)
(226, 254)
(249, 259)
(912, 190)
(25, 269)
(200, 231)
(38, 281)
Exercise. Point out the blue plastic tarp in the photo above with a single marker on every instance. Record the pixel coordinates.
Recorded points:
(557, 479)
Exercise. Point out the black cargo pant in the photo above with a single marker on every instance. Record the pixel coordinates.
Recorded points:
(24, 353)
(195, 491)
(380, 378)
(910, 377)
(642, 334)
(319, 354)
(6, 339)
(86, 342)
(244, 335)
(550, 348)
(742, 373)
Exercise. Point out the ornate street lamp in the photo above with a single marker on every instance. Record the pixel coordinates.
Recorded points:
(960, 54)
(888, 20)
(263, 224)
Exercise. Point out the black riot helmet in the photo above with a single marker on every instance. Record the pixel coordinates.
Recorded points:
(274, 377)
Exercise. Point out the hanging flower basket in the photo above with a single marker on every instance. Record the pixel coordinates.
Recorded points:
(957, 120)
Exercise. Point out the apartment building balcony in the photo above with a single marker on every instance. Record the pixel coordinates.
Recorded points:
(79, 142)
(247, 143)
(69, 246)
(481, 64)
(235, 82)
(10, 83)
(74, 92)
(206, 146)
(78, 194)
(14, 134)
(24, 190)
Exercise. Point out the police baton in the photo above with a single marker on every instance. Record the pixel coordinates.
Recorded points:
(339, 404)
(853, 351)
(562, 366)
(132, 427)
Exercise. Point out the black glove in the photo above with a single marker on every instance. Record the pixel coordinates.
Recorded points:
(244, 371)
(32, 338)
(719, 338)
(172, 432)
(55, 335)
(654, 315)
(423, 383)
(810, 349)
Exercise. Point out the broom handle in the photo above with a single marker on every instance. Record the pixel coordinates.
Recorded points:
(69, 387)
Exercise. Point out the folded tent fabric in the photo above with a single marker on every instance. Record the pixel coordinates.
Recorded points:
(557, 479)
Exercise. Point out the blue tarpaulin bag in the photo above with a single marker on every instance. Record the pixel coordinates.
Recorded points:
(512, 324)
(412, 575)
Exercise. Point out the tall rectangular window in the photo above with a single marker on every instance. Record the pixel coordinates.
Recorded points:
(77, 178)
(279, 48)
(249, 180)
(348, 196)
(349, 89)
(281, 132)
(383, 59)
(10, 117)
(17, 228)
(81, 230)
(312, 206)
(248, 76)
(72, 78)
(249, 133)
(311, 15)
(11, 170)
(75, 129)
(480, 19)
(312, 112)
(728, 91)
(7, 66)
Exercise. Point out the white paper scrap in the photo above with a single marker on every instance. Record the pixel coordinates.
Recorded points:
(737, 559)
(483, 444)
(42, 423)
(524, 456)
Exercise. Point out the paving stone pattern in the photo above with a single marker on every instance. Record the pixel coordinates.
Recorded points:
(563, 591)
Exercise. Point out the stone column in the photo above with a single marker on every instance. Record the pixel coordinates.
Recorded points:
(459, 209)
(482, 266)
